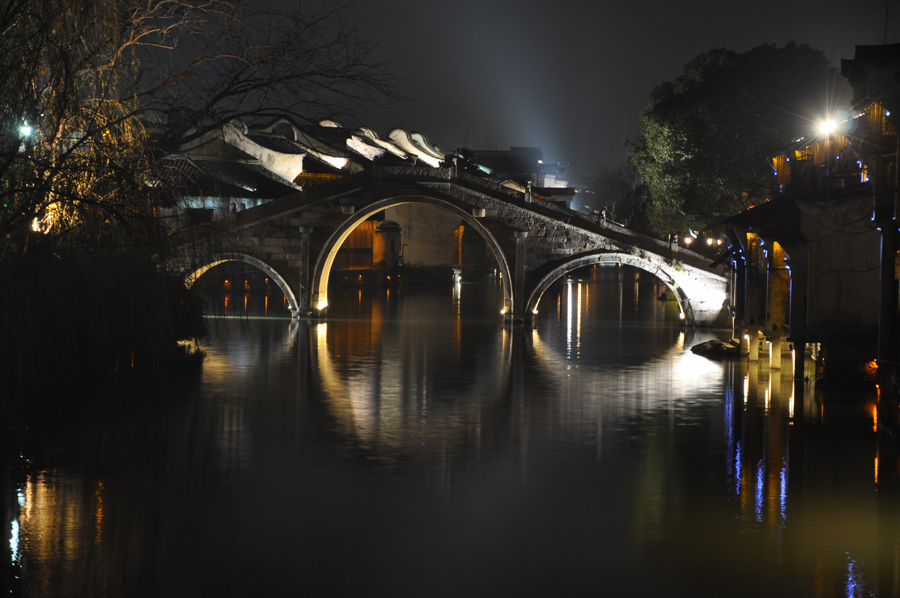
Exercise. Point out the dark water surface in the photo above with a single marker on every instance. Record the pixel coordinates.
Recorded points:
(413, 445)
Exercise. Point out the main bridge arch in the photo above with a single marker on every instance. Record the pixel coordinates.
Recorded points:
(322, 271)
(676, 280)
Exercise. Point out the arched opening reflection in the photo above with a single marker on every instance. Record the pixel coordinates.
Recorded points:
(416, 403)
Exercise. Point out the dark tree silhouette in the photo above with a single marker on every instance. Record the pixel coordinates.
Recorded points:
(705, 138)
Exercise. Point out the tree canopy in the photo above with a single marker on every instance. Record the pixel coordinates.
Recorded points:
(705, 138)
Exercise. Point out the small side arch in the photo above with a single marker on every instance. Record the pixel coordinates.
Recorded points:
(684, 302)
(221, 258)
(322, 272)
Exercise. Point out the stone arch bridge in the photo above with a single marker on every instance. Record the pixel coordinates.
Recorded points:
(295, 239)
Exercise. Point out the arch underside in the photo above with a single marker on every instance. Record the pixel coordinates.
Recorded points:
(273, 274)
(561, 270)
(325, 260)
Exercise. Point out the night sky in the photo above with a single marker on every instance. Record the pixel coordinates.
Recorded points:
(572, 76)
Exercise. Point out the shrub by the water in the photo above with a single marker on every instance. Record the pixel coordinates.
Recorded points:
(69, 323)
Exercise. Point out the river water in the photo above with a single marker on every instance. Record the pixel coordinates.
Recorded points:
(414, 445)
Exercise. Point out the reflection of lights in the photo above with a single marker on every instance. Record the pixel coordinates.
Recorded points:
(578, 325)
(14, 541)
(873, 409)
(876, 464)
(760, 479)
(783, 495)
(791, 405)
(853, 581)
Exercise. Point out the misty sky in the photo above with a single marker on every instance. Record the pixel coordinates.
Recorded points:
(572, 76)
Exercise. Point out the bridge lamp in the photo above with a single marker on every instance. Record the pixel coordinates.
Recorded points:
(688, 240)
(25, 130)
(503, 312)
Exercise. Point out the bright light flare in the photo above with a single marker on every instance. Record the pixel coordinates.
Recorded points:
(826, 127)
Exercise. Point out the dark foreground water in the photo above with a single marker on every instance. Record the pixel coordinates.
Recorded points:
(414, 446)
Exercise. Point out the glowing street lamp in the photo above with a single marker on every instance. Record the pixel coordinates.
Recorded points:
(826, 127)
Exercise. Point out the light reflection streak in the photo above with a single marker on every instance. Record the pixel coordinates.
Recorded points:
(578, 326)
(876, 466)
(729, 429)
(738, 468)
(14, 541)
(760, 480)
(853, 586)
(98, 514)
(791, 405)
(783, 493)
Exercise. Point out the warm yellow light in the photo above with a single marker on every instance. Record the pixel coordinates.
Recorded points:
(688, 240)
(681, 315)
(322, 305)
(503, 312)
(827, 126)
(709, 241)
(534, 312)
